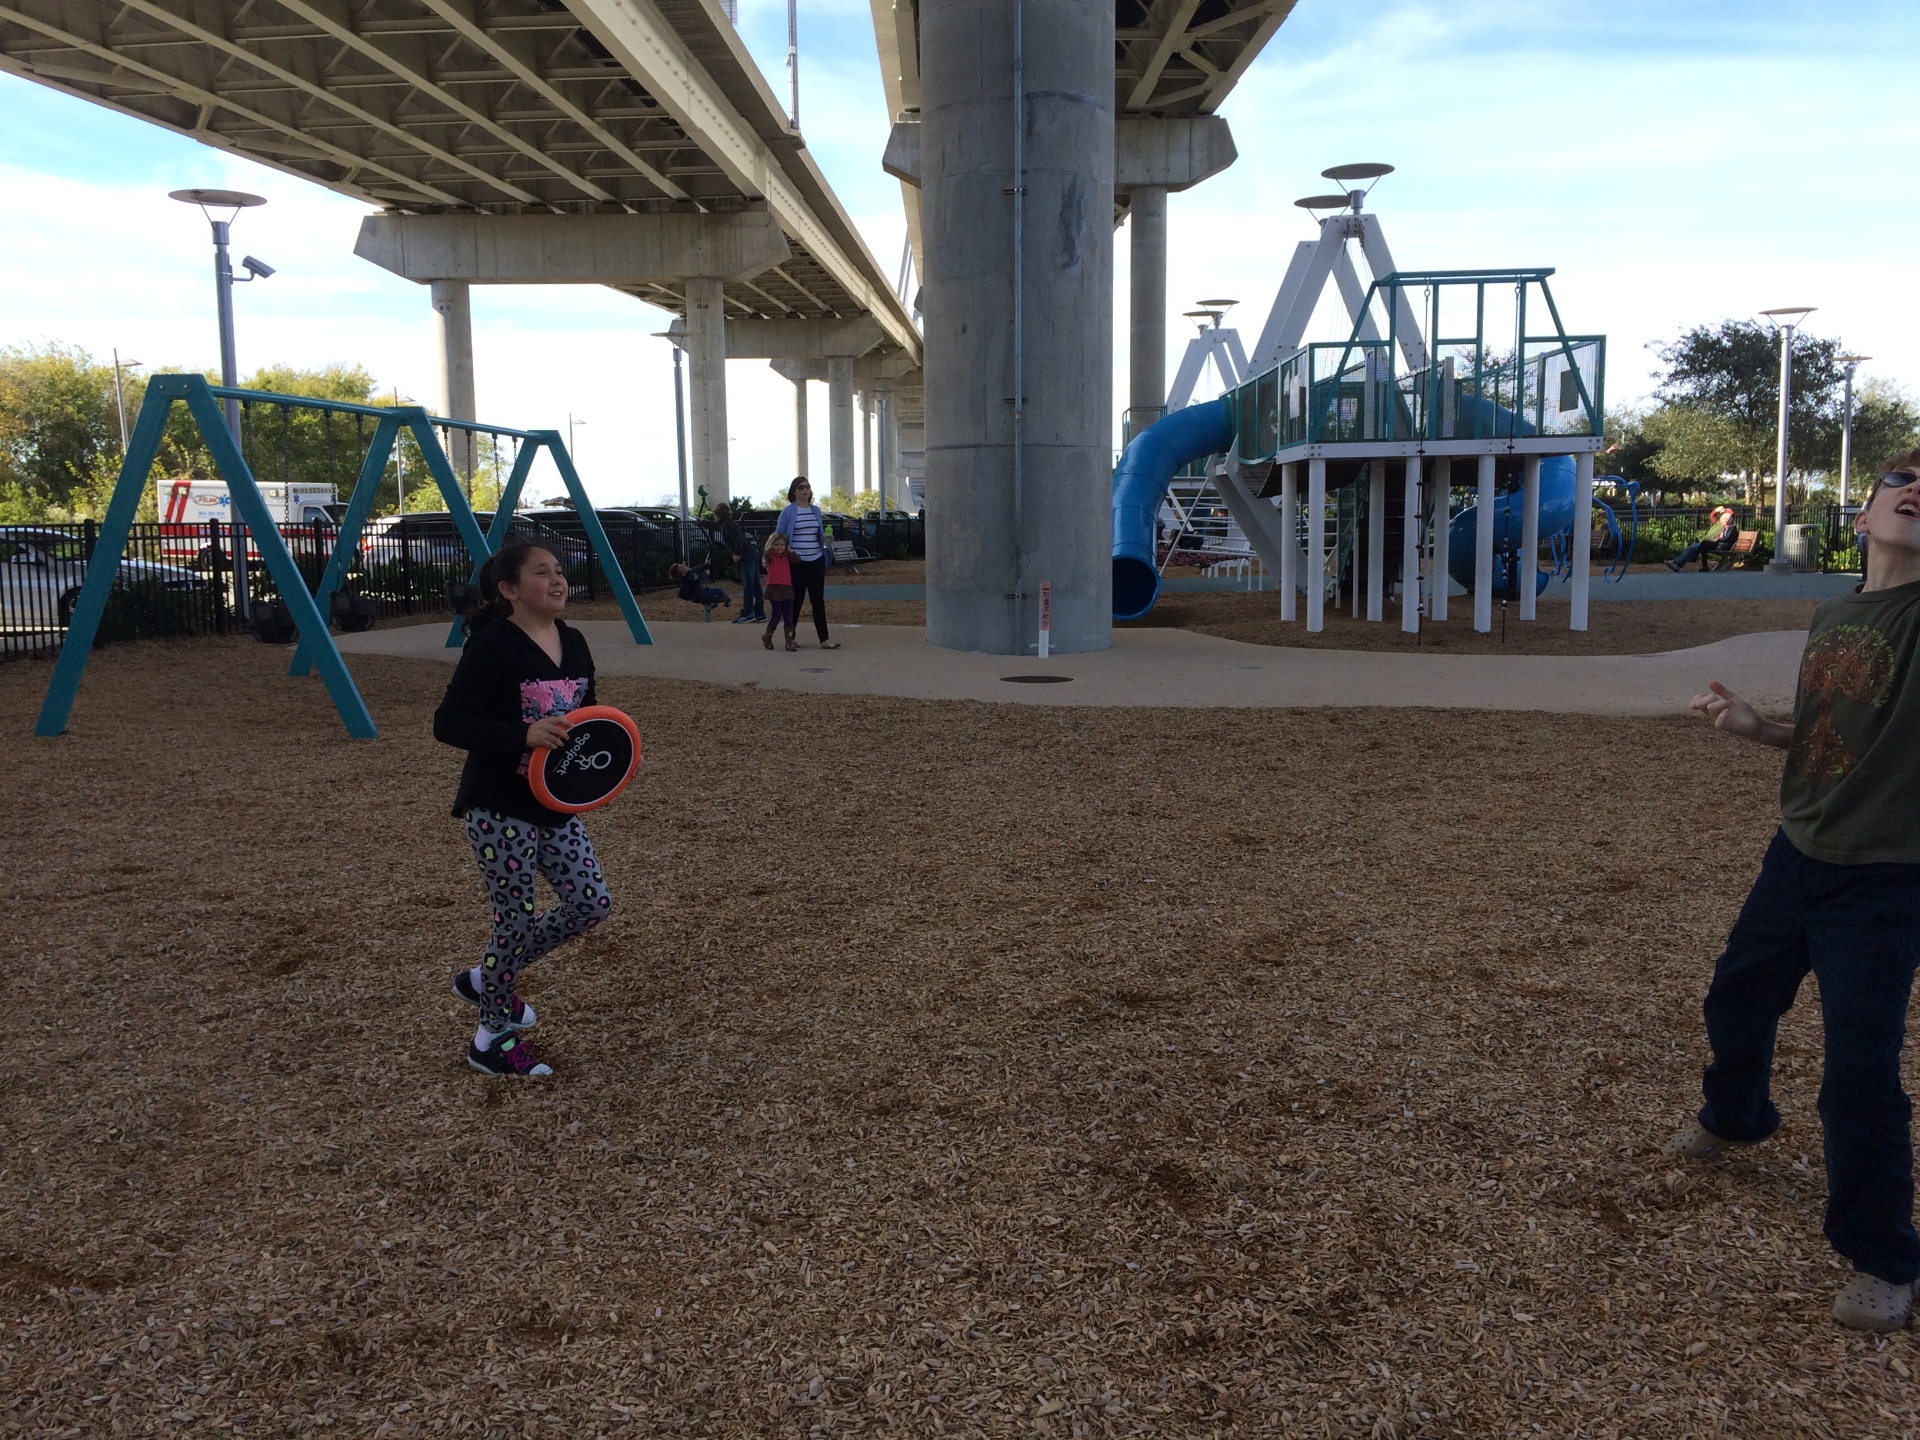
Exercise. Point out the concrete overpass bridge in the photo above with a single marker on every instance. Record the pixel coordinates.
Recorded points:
(635, 144)
(629, 143)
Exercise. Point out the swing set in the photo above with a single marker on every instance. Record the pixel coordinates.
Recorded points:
(309, 609)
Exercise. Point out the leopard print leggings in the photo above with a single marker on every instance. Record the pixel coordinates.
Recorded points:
(510, 852)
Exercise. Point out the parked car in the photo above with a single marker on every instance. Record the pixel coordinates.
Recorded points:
(41, 572)
(432, 538)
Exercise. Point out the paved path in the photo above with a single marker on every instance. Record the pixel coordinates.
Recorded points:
(1732, 585)
(1175, 668)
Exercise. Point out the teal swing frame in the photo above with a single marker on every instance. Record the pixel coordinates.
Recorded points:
(316, 649)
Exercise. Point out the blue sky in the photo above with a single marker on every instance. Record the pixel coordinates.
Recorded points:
(1678, 163)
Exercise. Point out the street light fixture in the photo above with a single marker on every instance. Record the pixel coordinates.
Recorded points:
(1786, 317)
(233, 201)
(1846, 425)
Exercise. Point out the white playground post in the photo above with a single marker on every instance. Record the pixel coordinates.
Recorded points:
(1483, 550)
(1316, 546)
(1582, 536)
(1529, 559)
(1410, 553)
(1376, 537)
(1290, 544)
(1442, 493)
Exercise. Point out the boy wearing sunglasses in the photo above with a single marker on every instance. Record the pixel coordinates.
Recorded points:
(1838, 895)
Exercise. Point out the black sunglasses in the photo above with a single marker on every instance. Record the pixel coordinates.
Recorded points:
(1898, 479)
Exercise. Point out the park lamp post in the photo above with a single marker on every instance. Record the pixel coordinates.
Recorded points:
(223, 282)
(679, 436)
(120, 393)
(1846, 425)
(1786, 317)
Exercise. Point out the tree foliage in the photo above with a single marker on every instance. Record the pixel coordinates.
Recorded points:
(58, 430)
(60, 437)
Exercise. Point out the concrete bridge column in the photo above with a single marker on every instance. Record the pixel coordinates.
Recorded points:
(453, 315)
(840, 424)
(801, 441)
(707, 366)
(866, 441)
(1147, 318)
(1018, 476)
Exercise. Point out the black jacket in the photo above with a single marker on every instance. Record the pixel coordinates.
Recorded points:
(503, 683)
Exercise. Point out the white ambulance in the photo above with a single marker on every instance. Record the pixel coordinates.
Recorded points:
(186, 505)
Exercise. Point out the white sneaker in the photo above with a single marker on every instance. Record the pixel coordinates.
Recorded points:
(1696, 1142)
(1871, 1303)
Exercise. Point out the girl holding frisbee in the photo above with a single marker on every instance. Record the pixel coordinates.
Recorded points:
(523, 668)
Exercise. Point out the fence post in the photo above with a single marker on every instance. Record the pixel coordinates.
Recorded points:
(89, 533)
(406, 569)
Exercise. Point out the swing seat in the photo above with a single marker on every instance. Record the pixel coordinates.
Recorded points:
(272, 623)
(463, 596)
(353, 613)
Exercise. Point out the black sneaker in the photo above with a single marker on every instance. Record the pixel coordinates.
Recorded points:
(509, 1055)
(520, 1018)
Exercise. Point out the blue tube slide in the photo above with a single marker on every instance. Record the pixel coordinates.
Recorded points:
(1556, 514)
(1140, 484)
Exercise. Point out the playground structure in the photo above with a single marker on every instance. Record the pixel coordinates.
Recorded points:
(309, 609)
(1427, 376)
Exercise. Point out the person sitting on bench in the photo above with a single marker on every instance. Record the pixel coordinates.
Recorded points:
(1717, 541)
(694, 587)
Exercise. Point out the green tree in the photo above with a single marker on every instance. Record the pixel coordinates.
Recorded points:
(58, 430)
(1698, 448)
(1885, 422)
(1729, 377)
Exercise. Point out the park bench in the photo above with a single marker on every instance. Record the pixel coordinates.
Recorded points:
(846, 553)
(1735, 556)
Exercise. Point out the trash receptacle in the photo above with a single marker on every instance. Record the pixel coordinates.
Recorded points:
(1800, 546)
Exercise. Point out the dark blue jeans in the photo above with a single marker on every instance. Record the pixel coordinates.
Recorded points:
(1857, 928)
(753, 597)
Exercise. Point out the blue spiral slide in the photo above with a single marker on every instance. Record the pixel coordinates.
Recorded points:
(1139, 485)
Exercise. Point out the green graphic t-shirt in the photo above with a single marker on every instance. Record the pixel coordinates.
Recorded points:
(1850, 794)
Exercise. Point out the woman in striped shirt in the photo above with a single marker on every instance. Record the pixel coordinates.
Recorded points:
(806, 531)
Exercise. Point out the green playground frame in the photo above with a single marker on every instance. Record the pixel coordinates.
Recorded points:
(316, 649)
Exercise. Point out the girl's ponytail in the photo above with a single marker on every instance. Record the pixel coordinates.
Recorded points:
(505, 564)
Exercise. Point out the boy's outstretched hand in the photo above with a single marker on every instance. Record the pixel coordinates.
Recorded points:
(1729, 712)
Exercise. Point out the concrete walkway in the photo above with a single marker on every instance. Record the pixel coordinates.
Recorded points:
(1732, 585)
(1175, 668)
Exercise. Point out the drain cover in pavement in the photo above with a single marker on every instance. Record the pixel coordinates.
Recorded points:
(1036, 679)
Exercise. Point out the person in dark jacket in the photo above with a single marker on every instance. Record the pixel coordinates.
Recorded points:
(746, 554)
(693, 587)
(522, 671)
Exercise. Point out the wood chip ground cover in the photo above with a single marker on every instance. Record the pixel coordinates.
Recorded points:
(945, 1069)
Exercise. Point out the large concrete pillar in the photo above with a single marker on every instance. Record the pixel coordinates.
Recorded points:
(866, 441)
(1147, 316)
(840, 424)
(453, 316)
(1018, 477)
(707, 367)
(801, 442)
(883, 422)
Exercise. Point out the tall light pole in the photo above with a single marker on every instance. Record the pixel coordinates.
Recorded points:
(571, 425)
(1846, 425)
(1785, 317)
(223, 283)
(793, 62)
(120, 394)
(679, 438)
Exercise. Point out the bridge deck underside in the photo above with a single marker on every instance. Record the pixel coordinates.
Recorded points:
(412, 105)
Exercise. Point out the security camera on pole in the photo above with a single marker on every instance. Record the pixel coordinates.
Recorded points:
(223, 283)
(1786, 317)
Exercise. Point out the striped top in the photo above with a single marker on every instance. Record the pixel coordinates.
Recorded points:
(805, 531)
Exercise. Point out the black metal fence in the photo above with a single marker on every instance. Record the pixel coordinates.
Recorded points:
(177, 579)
